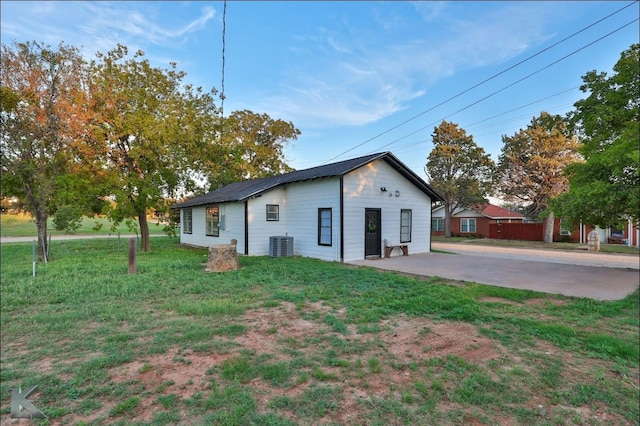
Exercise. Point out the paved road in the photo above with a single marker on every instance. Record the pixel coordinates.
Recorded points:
(68, 237)
(555, 272)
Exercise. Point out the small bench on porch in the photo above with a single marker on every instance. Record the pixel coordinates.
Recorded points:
(388, 248)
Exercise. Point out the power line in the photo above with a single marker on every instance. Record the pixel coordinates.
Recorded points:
(477, 122)
(224, 34)
(543, 68)
(506, 87)
(402, 148)
(524, 106)
(489, 79)
(519, 117)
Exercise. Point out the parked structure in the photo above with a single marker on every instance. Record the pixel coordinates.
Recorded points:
(490, 221)
(473, 221)
(628, 235)
(342, 211)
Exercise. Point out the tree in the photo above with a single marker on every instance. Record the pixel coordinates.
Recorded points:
(252, 147)
(532, 164)
(43, 90)
(155, 131)
(604, 189)
(458, 169)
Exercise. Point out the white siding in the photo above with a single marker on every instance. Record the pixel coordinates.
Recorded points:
(458, 213)
(231, 226)
(362, 190)
(303, 201)
(259, 228)
(298, 206)
(469, 213)
(439, 212)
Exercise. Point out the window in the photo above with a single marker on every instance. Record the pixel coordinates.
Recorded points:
(273, 212)
(187, 221)
(564, 227)
(405, 226)
(468, 225)
(437, 224)
(324, 227)
(213, 221)
(615, 232)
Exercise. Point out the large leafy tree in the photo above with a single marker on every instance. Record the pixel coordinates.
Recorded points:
(252, 146)
(458, 169)
(43, 126)
(604, 189)
(155, 131)
(532, 164)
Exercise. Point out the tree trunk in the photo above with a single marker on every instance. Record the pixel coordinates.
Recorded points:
(144, 231)
(41, 225)
(447, 221)
(548, 228)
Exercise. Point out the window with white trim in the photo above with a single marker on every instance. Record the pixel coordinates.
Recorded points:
(564, 227)
(405, 226)
(437, 224)
(468, 225)
(324, 227)
(187, 221)
(212, 221)
(273, 212)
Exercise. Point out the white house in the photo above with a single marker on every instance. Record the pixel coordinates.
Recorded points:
(342, 211)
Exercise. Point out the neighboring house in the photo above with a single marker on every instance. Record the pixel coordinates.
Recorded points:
(342, 211)
(628, 235)
(473, 221)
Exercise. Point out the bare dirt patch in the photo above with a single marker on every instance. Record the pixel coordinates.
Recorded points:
(270, 331)
(492, 299)
(401, 347)
(545, 301)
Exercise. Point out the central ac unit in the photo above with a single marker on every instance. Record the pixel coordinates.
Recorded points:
(280, 246)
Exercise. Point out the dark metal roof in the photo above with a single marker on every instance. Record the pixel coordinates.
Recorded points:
(241, 191)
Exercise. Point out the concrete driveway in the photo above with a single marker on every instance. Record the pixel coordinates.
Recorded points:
(582, 274)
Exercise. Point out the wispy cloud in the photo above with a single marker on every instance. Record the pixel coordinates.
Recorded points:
(104, 24)
(141, 24)
(357, 81)
(430, 11)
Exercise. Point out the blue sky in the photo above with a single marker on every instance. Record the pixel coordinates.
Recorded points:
(359, 77)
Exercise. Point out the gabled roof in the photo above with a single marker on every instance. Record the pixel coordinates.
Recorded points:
(488, 210)
(241, 191)
(495, 212)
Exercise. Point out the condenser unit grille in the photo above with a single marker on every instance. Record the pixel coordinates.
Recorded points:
(280, 246)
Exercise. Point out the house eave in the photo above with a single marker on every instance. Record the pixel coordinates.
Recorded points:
(335, 170)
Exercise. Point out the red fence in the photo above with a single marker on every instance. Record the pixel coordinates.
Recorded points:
(517, 231)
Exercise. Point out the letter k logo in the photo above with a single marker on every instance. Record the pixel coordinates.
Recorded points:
(21, 408)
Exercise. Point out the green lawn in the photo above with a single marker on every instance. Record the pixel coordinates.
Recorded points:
(12, 225)
(300, 341)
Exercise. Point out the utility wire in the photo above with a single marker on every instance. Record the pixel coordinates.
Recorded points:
(523, 106)
(403, 148)
(491, 78)
(224, 33)
(543, 68)
(514, 83)
(477, 122)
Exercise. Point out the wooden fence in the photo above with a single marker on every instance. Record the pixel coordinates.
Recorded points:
(517, 231)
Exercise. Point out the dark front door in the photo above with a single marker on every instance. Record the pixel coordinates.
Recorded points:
(372, 233)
